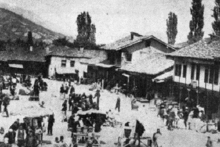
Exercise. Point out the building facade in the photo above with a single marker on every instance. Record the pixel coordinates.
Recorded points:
(197, 75)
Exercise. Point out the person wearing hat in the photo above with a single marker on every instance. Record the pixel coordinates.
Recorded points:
(155, 137)
(209, 142)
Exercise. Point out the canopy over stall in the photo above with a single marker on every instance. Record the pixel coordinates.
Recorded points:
(163, 77)
(30, 109)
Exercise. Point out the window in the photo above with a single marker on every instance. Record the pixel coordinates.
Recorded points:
(212, 75)
(197, 72)
(178, 70)
(206, 75)
(216, 75)
(72, 63)
(128, 56)
(184, 70)
(63, 63)
(192, 71)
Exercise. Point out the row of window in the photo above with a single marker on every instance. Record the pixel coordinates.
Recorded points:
(211, 73)
(63, 63)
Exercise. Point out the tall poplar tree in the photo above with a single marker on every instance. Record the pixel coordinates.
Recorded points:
(172, 28)
(216, 15)
(197, 23)
(86, 30)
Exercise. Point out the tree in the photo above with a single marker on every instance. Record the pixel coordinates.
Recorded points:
(60, 41)
(172, 28)
(30, 39)
(92, 34)
(197, 22)
(86, 30)
(216, 15)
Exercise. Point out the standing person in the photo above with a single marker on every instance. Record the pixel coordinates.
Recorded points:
(64, 109)
(72, 89)
(97, 95)
(6, 102)
(31, 141)
(118, 103)
(62, 92)
(155, 137)
(36, 88)
(209, 142)
(51, 121)
(1, 100)
(21, 137)
(139, 130)
(70, 102)
(185, 117)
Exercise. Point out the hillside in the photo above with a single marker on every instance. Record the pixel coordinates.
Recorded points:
(14, 26)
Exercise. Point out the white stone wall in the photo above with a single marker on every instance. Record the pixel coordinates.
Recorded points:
(56, 63)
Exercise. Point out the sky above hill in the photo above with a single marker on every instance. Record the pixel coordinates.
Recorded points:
(116, 18)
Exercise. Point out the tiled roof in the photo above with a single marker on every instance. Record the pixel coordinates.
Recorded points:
(202, 50)
(117, 45)
(127, 41)
(152, 64)
(66, 52)
(23, 54)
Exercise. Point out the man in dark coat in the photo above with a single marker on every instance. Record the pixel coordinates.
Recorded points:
(1, 100)
(97, 95)
(51, 121)
(6, 102)
(118, 103)
(139, 130)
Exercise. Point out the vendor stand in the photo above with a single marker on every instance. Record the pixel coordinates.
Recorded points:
(32, 114)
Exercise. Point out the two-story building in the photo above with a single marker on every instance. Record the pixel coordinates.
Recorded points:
(130, 55)
(197, 74)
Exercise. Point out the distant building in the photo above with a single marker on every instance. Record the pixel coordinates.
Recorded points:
(72, 62)
(23, 60)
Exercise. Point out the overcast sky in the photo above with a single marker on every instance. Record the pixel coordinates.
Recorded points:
(117, 18)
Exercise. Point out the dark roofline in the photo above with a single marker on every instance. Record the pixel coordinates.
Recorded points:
(199, 59)
(166, 44)
(145, 38)
(67, 56)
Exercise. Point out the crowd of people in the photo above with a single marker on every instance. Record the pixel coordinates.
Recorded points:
(27, 132)
(77, 123)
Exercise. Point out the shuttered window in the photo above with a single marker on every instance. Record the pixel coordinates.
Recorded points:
(197, 72)
(184, 70)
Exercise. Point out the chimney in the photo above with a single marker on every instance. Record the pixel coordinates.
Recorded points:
(31, 48)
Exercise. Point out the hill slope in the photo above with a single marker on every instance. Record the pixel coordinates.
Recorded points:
(14, 26)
